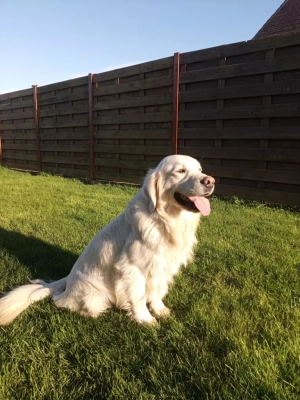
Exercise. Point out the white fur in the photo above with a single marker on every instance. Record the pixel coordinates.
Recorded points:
(131, 262)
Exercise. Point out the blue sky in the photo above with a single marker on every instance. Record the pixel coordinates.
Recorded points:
(46, 41)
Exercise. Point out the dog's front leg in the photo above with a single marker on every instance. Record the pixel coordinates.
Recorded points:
(156, 290)
(131, 295)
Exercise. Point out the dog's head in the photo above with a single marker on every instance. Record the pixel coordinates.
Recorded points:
(178, 181)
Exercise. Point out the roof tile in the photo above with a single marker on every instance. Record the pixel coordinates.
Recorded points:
(285, 19)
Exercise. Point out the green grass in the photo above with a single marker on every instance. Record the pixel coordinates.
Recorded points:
(234, 332)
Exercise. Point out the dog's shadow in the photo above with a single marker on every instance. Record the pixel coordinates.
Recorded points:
(43, 260)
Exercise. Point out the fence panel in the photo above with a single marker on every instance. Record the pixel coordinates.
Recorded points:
(64, 127)
(17, 130)
(239, 114)
(132, 119)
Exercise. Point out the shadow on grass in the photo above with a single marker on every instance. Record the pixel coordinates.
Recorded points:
(42, 259)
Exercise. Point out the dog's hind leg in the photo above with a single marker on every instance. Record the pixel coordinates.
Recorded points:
(84, 299)
(94, 304)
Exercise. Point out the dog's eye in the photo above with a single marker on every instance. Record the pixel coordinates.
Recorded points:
(181, 171)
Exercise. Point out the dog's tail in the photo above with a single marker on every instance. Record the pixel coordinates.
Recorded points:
(16, 301)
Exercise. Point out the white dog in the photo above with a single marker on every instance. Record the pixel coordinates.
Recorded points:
(131, 262)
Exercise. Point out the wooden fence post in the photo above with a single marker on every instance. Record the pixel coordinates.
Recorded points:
(176, 65)
(0, 150)
(37, 130)
(91, 129)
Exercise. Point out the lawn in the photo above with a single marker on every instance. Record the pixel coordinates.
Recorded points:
(234, 332)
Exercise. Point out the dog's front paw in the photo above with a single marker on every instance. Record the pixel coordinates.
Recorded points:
(144, 318)
(150, 322)
(160, 311)
(163, 312)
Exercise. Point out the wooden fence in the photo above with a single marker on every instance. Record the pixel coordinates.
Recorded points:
(234, 107)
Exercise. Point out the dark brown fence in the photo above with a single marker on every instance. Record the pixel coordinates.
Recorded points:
(234, 107)
(64, 127)
(132, 119)
(17, 130)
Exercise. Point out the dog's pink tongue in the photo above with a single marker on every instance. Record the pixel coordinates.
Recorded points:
(202, 204)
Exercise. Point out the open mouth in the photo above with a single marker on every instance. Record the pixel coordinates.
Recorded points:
(193, 203)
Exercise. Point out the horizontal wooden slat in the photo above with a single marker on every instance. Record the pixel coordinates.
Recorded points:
(263, 111)
(64, 98)
(65, 124)
(17, 125)
(291, 177)
(74, 173)
(272, 132)
(19, 166)
(18, 146)
(113, 177)
(133, 102)
(134, 69)
(229, 92)
(153, 150)
(133, 86)
(133, 164)
(17, 135)
(17, 156)
(233, 49)
(84, 134)
(258, 67)
(17, 115)
(64, 111)
(261, 154)
(63, 85)
(18, 93)
(133, 118)
(272, 196)
(66, 160)
(133, 134)
(48, 146)
(19, 104)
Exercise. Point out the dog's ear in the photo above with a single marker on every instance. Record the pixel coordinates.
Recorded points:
(151, 188)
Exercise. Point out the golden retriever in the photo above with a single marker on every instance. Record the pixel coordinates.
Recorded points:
(131, 262)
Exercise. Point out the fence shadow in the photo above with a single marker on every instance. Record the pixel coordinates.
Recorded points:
(43, 260)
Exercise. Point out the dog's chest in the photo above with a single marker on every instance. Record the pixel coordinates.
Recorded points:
(177, 251)
(166, 263)
(185, 238)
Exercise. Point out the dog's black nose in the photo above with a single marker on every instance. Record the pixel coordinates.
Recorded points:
(208, 181)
